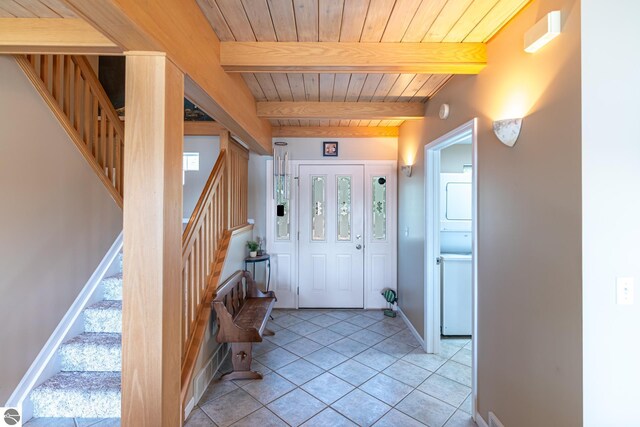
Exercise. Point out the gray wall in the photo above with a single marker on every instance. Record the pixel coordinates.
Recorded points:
(611, 208)
(194, 181)
(530, 207)
(58, 221)
(453, 158)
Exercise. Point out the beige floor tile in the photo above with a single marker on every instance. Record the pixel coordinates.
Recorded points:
(385, 329)
(327, 388)
(197, 418)
(426, 409)
(269, 388)
(361, 408)
(341, 314)
(300, 371)
(407, 373)
(394, 348)
(307, 314)
(348, 347)
(226, 410)
(386, 389)
(304, 328)
(286, 320)
(328, 418)
(374, 314)
(457, 372)
(283, 337)
(277, 358)
(445, 389)
(461, 419)
(467, 405)
(365, 336)
(296, 407)
(263, 418)
(395, 418)
(430, 362)
(324, 320)
(262, 347)
(463, 356)
(361, 320)
(326, 358)
(375, 359)
(353, 372)
(302, 347)
(344, 328)
(325, 336)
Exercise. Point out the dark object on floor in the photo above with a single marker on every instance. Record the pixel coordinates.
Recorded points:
(391, 297)
(243, 311)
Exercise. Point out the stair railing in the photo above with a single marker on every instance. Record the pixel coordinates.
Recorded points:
(72, 90)
(202, 242)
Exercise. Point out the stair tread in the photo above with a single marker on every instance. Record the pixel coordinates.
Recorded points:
(117, 276)
(106, 305)
(87, 382)
(106, 339)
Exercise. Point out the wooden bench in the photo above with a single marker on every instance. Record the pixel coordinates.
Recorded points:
(242, 311)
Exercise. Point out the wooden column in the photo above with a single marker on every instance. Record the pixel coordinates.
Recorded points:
(152, 242)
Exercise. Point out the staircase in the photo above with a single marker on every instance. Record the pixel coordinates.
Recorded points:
(88, 384)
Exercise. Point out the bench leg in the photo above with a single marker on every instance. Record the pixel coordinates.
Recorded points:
(268, 332)
(241, 360)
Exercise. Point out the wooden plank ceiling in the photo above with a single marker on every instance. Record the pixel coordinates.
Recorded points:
(35, 9)
(372, 21)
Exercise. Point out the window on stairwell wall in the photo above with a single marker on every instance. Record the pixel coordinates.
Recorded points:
(190, 162)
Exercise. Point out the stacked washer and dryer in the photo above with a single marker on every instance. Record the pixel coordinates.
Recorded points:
(455, 254)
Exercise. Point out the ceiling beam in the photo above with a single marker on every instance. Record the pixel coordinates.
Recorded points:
(179, 28)
(335, 132)
(202, 128)
(341, 110)
(53, 35)
(334, 57)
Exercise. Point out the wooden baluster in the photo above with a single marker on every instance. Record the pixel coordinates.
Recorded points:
(87, 115)
(95, 125)
(56, 78)
(68, 70)
(103, 137)
(109, 147)
(44, 70)
(32, 60)
(77, 85)
(118, 164)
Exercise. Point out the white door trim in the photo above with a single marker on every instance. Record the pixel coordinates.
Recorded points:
(432, 242)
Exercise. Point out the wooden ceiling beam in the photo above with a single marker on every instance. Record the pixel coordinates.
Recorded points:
(334, 57)
(335, 132)
(202, 128)
(341, 110)
(179, 29)
(53, 35)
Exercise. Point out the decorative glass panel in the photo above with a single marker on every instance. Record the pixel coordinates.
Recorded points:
(318, 206)
(379, 198)
(282, 221)
(344, 208)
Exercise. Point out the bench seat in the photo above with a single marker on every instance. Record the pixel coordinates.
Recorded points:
(242, 311)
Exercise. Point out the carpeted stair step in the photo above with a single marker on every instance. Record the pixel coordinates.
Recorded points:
(78, 395)
(113, 287)
(92, 352)
(103, 316)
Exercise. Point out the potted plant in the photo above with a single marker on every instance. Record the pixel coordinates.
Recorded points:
(253, 248)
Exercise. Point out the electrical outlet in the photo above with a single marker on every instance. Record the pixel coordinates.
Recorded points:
(625, 290)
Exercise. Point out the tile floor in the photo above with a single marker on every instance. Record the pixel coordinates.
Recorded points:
(344, 368)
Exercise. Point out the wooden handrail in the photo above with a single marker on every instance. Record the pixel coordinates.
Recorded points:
(72, 90)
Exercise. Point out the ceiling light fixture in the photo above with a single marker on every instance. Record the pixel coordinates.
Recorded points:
(545, 30)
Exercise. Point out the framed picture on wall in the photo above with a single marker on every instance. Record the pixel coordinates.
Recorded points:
(330, 148)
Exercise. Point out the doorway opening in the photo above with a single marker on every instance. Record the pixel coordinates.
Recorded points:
(451, 243)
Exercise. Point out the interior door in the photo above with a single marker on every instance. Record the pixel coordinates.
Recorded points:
(331, 242)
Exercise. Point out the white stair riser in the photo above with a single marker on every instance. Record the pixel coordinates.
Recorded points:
(76, 404)
(113, 288)
(83, 357)
(103, 320)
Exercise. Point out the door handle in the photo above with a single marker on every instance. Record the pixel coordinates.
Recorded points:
(358, 246)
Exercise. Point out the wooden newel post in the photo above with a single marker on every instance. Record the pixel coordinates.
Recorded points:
(151, 342)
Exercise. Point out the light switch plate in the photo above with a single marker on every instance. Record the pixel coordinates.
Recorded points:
(625, 290)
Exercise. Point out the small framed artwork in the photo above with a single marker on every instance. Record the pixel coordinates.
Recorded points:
(330, 148)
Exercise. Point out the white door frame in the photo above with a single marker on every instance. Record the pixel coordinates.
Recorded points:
(284, 254)
(432, 242)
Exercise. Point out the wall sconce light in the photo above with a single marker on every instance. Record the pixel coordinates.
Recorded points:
(507, 130)
(406, 170)
(545, 30)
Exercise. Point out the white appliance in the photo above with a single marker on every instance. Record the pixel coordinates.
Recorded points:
(456, 291)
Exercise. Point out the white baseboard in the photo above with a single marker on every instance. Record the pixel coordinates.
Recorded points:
(480, 421)
(189, 407)
(411, 328)
(45, 364)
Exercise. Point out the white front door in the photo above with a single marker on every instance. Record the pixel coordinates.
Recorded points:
(331, 247)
